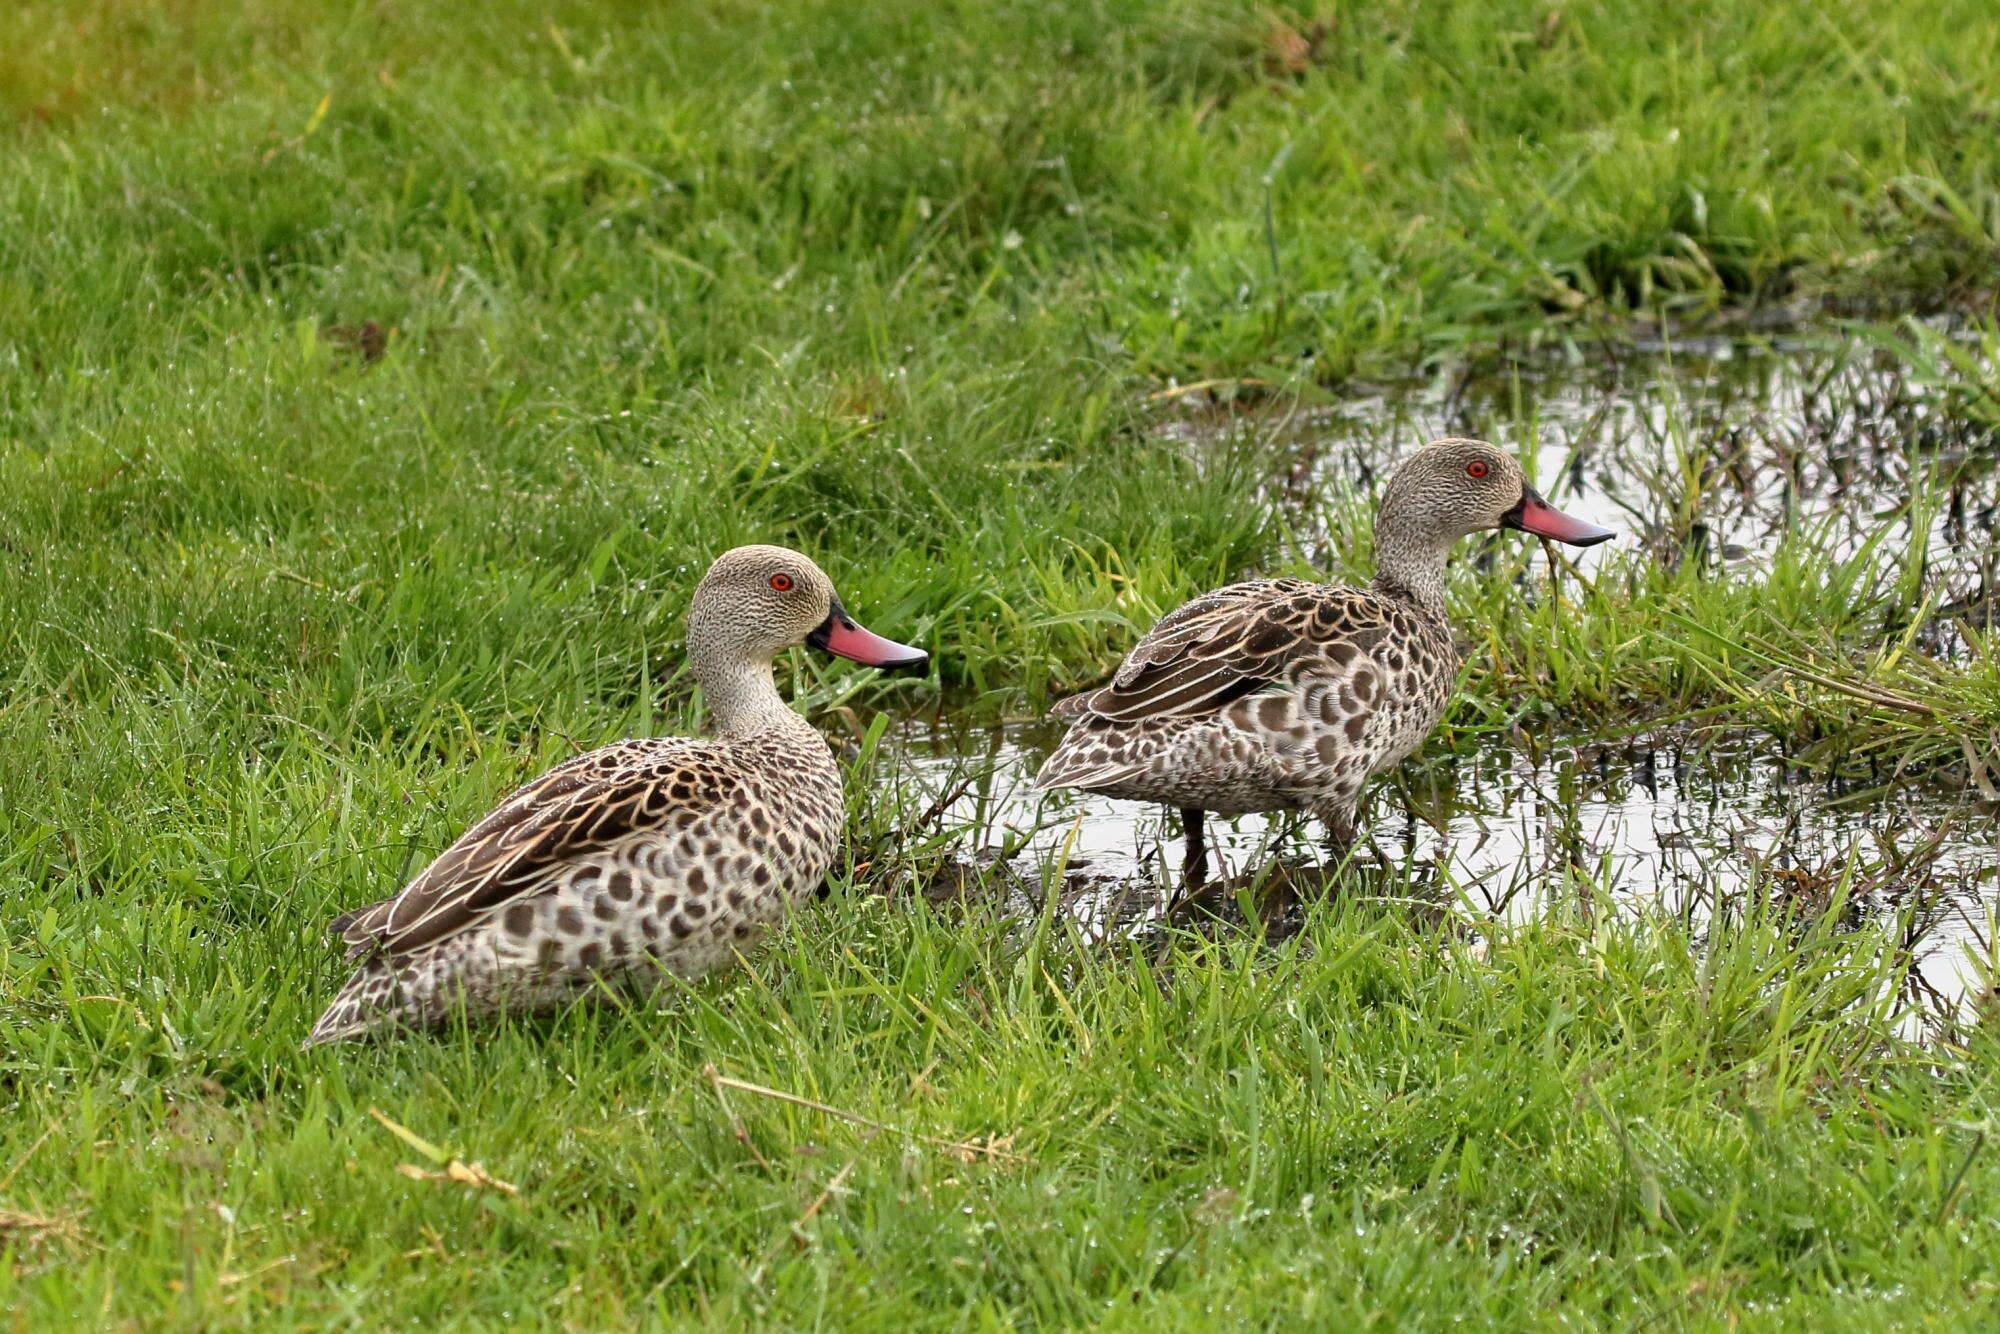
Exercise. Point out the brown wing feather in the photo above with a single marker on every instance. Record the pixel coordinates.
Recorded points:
(574, 809)
(1159, 645)
(1226, 644)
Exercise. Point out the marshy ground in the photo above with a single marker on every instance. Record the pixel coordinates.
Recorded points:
(1827, 448)
(373, 387)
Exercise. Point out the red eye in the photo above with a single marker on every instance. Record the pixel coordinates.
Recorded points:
(1475, 469)
(782, 582)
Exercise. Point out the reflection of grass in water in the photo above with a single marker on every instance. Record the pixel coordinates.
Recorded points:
(1496, 836)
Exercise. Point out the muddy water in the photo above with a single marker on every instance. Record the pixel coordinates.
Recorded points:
(1731, 455)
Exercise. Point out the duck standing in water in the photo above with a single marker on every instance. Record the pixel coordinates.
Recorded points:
(1279, 694)
(659, 855)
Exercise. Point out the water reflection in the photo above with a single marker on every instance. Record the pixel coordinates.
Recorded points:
(1685, 822)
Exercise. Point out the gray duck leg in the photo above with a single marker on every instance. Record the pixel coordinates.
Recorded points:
(1194, 863)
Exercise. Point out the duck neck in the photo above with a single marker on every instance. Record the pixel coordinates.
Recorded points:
(741, 693)
(1409, 563)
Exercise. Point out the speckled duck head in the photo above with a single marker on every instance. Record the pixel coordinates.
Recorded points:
(757, 601)
(1452, 488)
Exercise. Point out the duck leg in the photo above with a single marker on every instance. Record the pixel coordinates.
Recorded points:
(1339, 822)
(1194, 864)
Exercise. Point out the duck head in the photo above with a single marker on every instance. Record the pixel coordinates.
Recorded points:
(1452, 488)
(756, 601)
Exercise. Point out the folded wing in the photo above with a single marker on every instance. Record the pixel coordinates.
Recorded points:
(1264, 635)
(576, 809)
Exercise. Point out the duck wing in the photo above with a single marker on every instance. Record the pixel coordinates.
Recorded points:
(577, 808)
(1229, 643)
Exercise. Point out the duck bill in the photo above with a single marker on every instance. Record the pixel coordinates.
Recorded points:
(1537, 516)
(840, 636)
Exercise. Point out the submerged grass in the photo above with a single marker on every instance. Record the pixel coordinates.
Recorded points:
(372, 388)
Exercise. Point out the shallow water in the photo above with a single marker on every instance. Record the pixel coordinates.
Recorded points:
(1715, 452)
(1683, 823)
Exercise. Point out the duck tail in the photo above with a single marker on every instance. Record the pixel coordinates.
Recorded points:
(1082, 771)
(363, 1005)
(1072, 706)
(360, 928)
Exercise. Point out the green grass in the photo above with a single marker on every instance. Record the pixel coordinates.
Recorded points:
(894, 284)
(1597, 1127)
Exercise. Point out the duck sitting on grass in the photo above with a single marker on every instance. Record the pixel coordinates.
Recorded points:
(659, 855)
(1283, 695)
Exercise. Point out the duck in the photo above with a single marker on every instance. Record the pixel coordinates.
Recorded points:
(1288, 695)
(646, 858)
